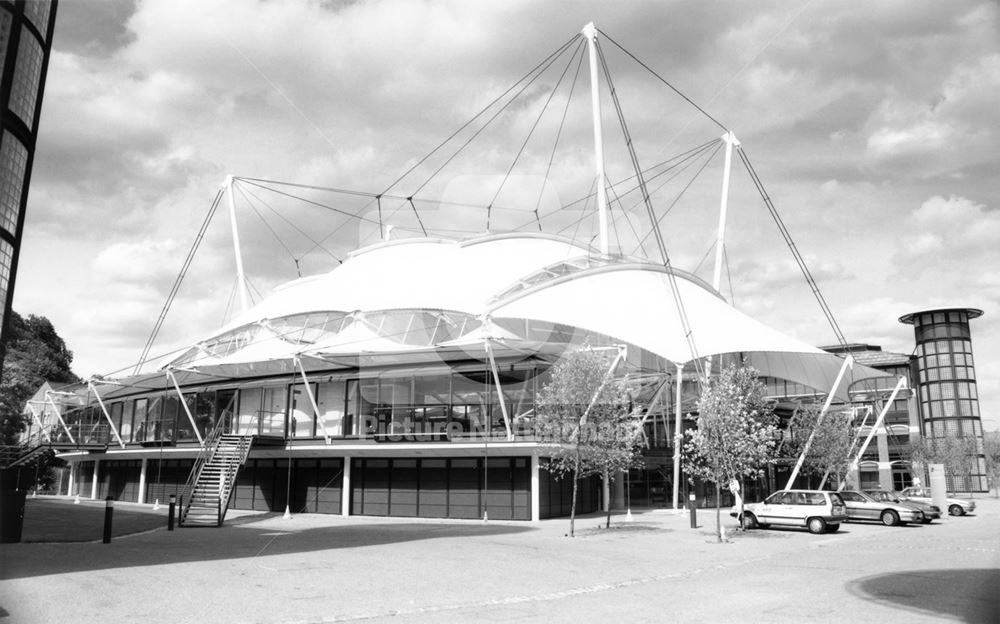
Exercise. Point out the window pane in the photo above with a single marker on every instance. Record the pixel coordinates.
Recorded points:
(249, 412)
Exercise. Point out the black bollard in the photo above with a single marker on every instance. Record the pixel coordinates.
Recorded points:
(694, 511)
(109, 512)
(170, 512)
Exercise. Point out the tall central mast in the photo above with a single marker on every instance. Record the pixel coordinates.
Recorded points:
(590, 32)
(240, 276)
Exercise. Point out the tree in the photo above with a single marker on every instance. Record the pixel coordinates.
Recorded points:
(736, 432)
(830, 449)
(959, 455)
(991, 449)
(583, 413)
(35, 354)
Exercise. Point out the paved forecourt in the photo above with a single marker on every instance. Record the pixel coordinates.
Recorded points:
(314, 568)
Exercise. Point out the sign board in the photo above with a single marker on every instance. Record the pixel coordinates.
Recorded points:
(939, 489)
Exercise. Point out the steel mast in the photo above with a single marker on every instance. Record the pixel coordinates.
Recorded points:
(590, 32)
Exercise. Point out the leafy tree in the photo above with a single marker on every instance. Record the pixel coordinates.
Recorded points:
(830, 449)
(991, 449)
(583, 413)
(958, 454)
(736, 432)
(34, 354)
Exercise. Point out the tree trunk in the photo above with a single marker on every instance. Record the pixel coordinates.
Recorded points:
(572, 509)
(718, 513)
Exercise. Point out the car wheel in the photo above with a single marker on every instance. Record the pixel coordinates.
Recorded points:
(817, 525)
(890, 518)
(927, 520)
(749, 521)
(833, 528)
(956, 510)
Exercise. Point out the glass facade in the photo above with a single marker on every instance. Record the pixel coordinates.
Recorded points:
(37, 12)
(13, 162)
(6, 22)
(24, 53)
(27, 77)
(946, 383)
(6, 258)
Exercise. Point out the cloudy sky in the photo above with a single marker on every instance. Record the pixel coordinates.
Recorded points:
(872, 125)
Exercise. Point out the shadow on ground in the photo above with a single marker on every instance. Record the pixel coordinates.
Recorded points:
(242, 537)
(971, 595)
(59, 520)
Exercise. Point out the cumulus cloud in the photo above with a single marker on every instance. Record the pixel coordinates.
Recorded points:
(948, 234)
(874, 129)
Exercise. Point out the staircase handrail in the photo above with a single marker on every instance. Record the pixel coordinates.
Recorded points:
(204, 455)
(12, 454)
(232, 468)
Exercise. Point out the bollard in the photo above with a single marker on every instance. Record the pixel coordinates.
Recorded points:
(109, 512)
(694, 511)
(170, 512)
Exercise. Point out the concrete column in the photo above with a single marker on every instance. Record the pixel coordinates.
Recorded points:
(142, 482)
(93, 484)
(345, 489)
(71, 489)
(536, 507)
(884, 465)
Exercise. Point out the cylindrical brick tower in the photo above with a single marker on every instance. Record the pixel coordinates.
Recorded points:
(946, 385)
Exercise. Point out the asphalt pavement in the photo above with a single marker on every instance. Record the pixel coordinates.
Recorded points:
(655, 568)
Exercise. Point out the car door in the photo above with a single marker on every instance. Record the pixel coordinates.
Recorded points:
(774, 509)
(855, 506)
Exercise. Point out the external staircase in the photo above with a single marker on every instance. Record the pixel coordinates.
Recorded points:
(206, 495)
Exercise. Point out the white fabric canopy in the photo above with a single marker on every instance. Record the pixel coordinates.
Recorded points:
(636, 305)
(520, 276)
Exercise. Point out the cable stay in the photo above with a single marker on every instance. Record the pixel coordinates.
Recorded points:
(538, 68)
(786, 235)
(177, 282)
(316, 245)
(661, 246)
(531, 132)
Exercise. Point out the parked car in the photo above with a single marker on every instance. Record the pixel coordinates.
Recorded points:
(930, 510)
(860, 506)
(819, 511)
(956, 506)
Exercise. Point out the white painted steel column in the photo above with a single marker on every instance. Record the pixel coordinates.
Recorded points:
(184, 404)
(720, 241)
(317, 416)
(48, 397)
(345, 489)
(590, 32)
(240, 276)
(503, 403)
(142, 481)
(848, 363)
(104, 409)
(71, 489)
(93, 484)
(677, 436)
(878, 423)
(536, 501)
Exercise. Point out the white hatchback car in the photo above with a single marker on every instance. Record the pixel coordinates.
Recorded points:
(818, 510)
